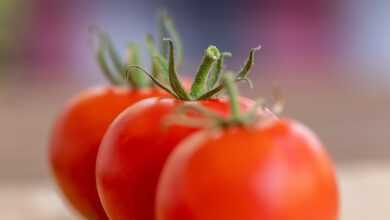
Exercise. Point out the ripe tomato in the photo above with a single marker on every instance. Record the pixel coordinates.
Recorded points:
(272, 171)
(79, 130)
(133, 152)
(76, 138)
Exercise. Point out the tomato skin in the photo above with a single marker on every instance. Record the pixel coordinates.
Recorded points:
(278, 171)
(76, 138)
(133, 152)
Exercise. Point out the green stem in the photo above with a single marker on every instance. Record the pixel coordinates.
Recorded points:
(114, 55)
(243, 74)
(169, 29)
(140, 79)
(173, 78)
(236, 118)
(152, 52)
(155, 80)
(136, 78)
(159, 63)
(105, 67)
(162, 34)
(215, 75)
(198, 87)
(232, 93)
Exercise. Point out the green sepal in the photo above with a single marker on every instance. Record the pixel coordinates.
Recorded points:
(112, 52)
(100, 56)
(158, 62)
(216, 72)
(173, 78)
(241, 76)
(168, 30)
(243, 73)
(211, 55)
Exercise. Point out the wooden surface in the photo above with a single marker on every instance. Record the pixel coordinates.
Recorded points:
(365, 190)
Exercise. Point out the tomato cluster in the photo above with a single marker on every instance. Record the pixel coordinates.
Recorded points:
(156, 151)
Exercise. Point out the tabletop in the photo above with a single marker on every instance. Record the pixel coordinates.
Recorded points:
(365, 194)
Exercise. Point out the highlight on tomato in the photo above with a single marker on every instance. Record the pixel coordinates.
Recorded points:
(137, 143)
(248, 167)
(79, 129)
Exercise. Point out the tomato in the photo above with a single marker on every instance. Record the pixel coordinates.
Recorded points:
(76, 138)
(135, 147)
(274, 170)
(134, 150)
(79, 129)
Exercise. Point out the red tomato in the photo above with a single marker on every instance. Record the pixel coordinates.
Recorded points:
(76, 139)
(133, 152)
(274, 171)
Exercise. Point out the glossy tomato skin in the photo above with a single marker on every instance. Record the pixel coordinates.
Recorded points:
(276, 171)
(134, 151)
(76, 138)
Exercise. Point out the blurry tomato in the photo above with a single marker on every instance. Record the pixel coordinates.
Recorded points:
(76, 138)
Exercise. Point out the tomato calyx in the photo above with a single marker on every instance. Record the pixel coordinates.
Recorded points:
(116, 70)
(207, 82)
(236, 118)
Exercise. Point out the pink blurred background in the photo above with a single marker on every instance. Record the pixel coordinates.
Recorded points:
(330, 58)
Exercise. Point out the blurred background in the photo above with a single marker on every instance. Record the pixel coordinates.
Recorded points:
(331, 58)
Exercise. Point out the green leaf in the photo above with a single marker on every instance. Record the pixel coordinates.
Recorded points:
(215, 75)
